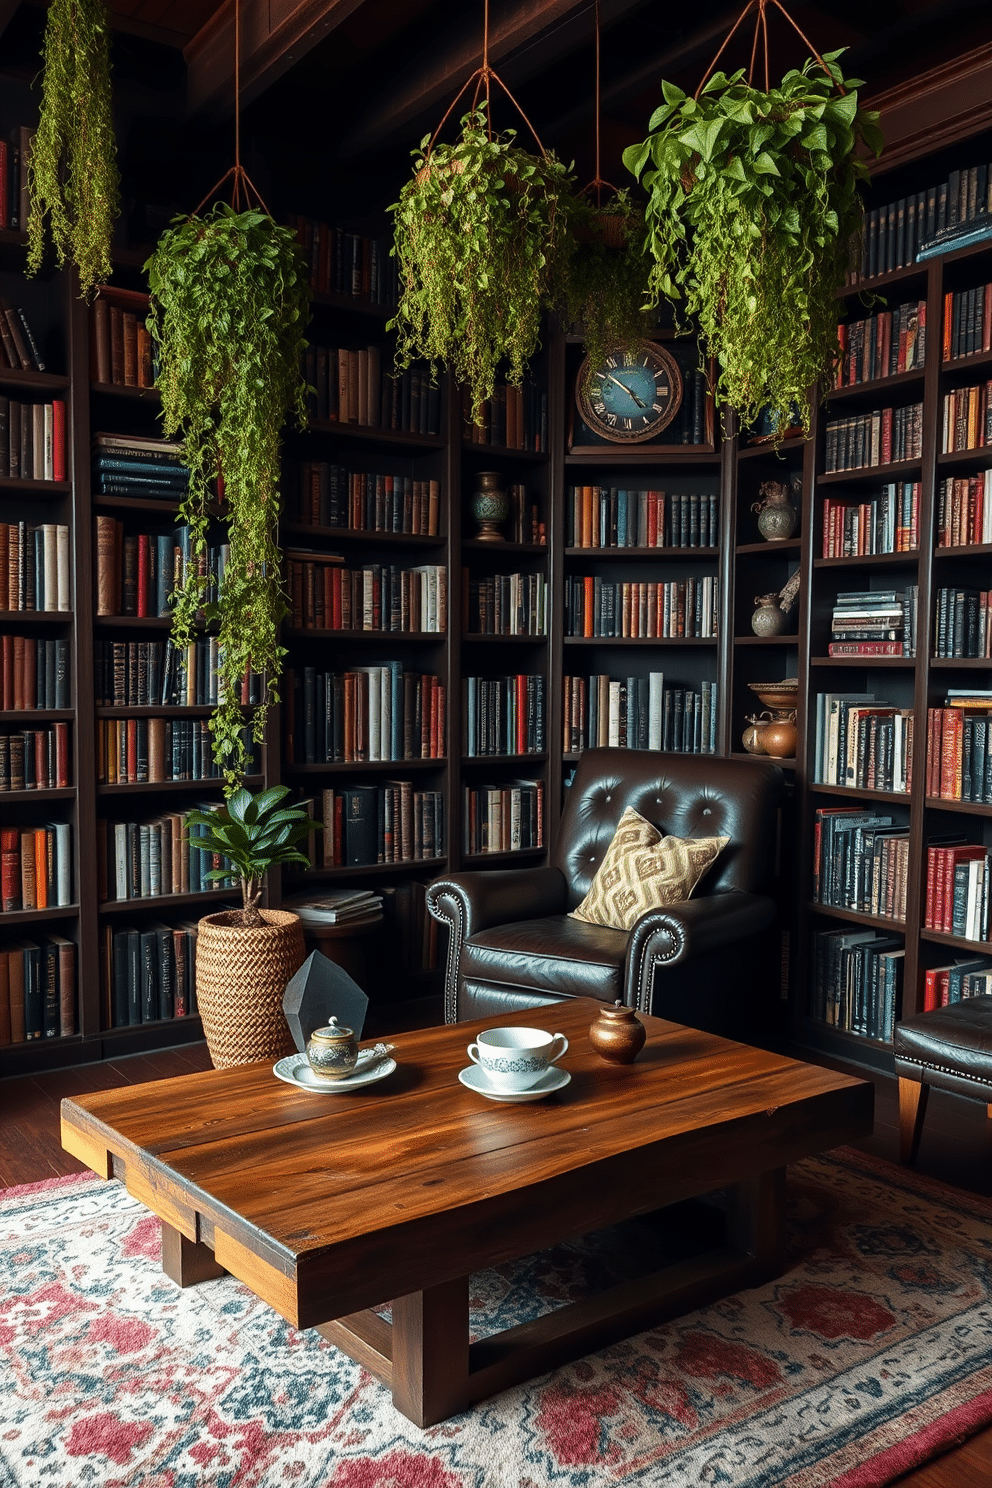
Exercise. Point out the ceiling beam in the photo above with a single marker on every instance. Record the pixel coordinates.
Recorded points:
(274, 35)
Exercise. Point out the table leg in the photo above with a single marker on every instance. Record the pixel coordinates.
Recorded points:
(187, 1262)
(430, 1352)
(756, 1222)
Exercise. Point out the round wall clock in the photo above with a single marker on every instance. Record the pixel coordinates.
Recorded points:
(631, 395)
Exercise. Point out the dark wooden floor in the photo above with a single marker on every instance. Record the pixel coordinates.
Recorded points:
(956, 1147)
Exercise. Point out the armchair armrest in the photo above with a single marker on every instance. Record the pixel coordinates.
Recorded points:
(666, 937)
(469, 902)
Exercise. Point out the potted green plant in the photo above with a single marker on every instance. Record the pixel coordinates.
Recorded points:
(753, 212)
(478, 231)
(245, 957)
(604, 278)
(229, 310)
(73, 180)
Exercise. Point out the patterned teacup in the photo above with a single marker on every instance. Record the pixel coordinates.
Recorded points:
(516, 1058)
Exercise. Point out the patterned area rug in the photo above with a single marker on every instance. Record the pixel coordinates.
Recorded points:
(872, 1353)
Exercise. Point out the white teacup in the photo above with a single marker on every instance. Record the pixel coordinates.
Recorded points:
(516, 1058)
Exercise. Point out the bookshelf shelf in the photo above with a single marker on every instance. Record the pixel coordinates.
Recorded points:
(166, 509)
(38, 916)
(896, 470)
(155, 903)
(753, 640)
(366, 870)
(38, 381)
(613, 555)
(365, 767)
(366, 432)
(972, 550)
(124, 392)
(975, 359)
(766, 549)
(475, 545)
(503, 452)
(787, 447)
(875, 386)
(482, 638)
(640, 641)
(44, 793)
(855, 793)
(970, 808)
(149, 787)
(649, 456)
(393, 637)
(908, 559)
(481, 859)
(15, 485)
(981, 455)
(958, 942)
(856, 917)
(880, 282)
(31, 716)
(956, 663)
(359, 535)
(37, 617)
(471, 760)
(887, 663)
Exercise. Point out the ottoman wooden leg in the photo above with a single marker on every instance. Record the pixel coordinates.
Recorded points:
(912, 1109)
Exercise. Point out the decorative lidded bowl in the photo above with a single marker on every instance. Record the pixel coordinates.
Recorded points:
(333, 1051)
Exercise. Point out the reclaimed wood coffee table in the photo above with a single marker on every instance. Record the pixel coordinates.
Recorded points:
(325, 1205)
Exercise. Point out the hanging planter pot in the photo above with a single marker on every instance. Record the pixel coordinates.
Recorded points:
(753, 214)
(477, 231)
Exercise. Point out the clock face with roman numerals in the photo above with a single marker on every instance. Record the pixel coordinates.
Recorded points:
(631, 395)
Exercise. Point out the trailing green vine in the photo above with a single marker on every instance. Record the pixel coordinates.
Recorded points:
(478, 233)
(73, 179)
(230, 305)
(604, 279)
(753, 213)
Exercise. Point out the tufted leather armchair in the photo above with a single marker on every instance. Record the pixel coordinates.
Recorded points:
(707, 962)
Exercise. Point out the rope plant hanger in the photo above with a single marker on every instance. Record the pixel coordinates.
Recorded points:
(753, 215)
(229, 310)
(605, 274)
(478, 233)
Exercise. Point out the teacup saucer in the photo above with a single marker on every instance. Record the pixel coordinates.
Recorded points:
(475, 1079)
(295, 1070)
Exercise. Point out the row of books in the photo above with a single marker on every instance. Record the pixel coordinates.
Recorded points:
(611, 517)
(886, 523)
(967, 321)
(860, 861)
(380, 597)
(121, 348)
(873, 749)
(346, 263)
(35, 759)
(858, 981)
(148, 974)
(964, 510)
(967, 418)
(32, 439)
(514, 418)
(142, 860)
(882, 437)
(379, 712)
(503, 818)
(18, 348)
(138, 465)
(141, 674)
(34, 673)
(505, 604)
(637, 713)
(883, 345)
(504, 715)
(963, 622)
(35, 867)
(330, 495)
(136, 751)
(867, 622)
(34, 566)
(410, 931)
(926, 222)
(350, 387)
(958, 890)
(945, 985)
(682, 607)
(14, 156)
(37, 989)
(136, 572)
(387, 823)
(959, 759)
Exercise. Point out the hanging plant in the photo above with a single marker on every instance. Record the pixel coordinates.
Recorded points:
(73, 179)
(229, 309)
(753, 214)
(604, 279)
(478, 232)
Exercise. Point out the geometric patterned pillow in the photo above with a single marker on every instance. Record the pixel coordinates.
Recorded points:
(644, 870)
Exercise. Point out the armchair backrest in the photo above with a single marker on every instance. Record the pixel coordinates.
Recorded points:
(685, 795)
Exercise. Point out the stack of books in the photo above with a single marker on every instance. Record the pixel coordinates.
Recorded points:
(37, 990)
(868, 622)
(338, 907)
(133, 465)
(958, 890)
(959, 759)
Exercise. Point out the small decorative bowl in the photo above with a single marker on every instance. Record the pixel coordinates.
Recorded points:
(332, 1051)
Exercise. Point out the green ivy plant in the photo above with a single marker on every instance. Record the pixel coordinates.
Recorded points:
(229, 310)
(754, 209)
(478, 231)
(604, 279)
(254, 833)
(73, 180)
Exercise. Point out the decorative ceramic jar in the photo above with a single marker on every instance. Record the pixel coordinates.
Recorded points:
(333, 1051)
(617, 1034)
(777, 517)
(751, 738)
(778, 738)
(489, 506)
(768, 619)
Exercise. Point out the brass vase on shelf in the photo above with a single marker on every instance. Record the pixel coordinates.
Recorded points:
(774, 731)
(777, 517)
(489, 505)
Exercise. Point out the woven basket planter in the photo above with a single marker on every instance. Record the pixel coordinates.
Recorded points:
(241, 976)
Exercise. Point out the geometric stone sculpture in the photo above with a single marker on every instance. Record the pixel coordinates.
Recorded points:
(319, 991)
